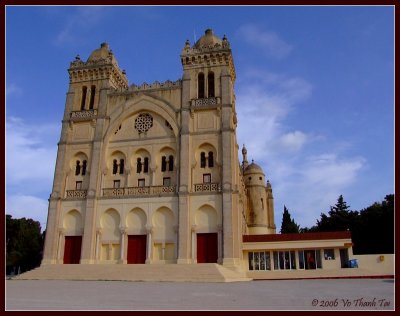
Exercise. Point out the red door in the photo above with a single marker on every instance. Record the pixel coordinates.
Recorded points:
(136, 248)
(207, 248)
(72, 249)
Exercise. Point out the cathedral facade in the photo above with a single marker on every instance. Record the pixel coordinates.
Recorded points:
(152, 173)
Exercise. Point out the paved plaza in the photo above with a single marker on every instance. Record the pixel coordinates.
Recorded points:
(343, 294)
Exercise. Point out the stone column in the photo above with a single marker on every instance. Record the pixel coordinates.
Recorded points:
(194, 244)
(184, 184)
(98, 243)
(61, 236)
(50, 251)
(220, 244)
(109, 254)
(149, 230)
(176, 232)
(122, 245)
(228, 144)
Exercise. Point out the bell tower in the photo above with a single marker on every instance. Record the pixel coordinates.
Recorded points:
(83, 126)
(208, 116)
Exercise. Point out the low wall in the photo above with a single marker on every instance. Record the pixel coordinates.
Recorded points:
(379, 264)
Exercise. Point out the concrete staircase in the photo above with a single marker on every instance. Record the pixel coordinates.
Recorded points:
(206, 272)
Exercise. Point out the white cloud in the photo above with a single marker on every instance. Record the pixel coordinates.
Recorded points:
(264, 100)
(27, 206)
(308, 180)
(268, 41)
(30, 154)
(329, 171)
(13, 89)
(293, 141)
(83, 20)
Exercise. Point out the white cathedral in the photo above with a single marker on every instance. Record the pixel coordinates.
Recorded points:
(151, 174)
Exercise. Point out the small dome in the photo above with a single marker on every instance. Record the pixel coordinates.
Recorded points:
(253, 168)
(208, 39)
(100, 53)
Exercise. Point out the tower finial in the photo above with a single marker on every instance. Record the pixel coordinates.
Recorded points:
(244, 153)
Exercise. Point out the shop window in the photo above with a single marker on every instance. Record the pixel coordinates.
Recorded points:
(260, 260)
(329, 254)
(284, 260)
(311, 259)
(301, 259)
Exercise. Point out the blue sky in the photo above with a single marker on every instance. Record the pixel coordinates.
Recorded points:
(314, 92)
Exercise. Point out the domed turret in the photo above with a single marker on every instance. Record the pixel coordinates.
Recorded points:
(253, 168)
(208, 39)
(101, 53)
(260, 217)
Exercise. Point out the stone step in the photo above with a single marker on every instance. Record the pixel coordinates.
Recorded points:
(209, 272)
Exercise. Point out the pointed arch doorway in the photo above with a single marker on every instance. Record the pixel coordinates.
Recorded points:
(207, 247)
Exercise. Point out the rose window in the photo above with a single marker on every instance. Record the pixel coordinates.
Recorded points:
(143, 122)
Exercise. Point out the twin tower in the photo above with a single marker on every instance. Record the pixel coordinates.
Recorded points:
(151, 173)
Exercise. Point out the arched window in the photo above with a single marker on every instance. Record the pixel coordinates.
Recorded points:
(139, 165)
(115, 166)
(163, 163)
(200, 82)
(211, 87)
(203, 160)
(78, 168)
(84, 91)
(84, 167)
(121, 166)
(146, 165)
(171, 163)
(210, 159)
(92, 94)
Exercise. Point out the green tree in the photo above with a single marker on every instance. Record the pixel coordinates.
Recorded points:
(288, 224)
(24, 244)
(374, 233)
(339, 218)
(372, 229)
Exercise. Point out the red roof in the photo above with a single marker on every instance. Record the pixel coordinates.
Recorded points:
(293, 237)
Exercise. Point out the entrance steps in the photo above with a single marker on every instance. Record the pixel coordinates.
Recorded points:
(205, 272)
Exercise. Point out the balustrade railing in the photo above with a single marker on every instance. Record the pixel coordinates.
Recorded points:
(207, 187)
(83, 115)
(205, 102)
(139, 191)
(76, 194)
